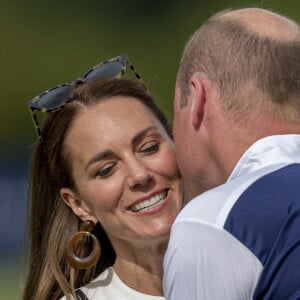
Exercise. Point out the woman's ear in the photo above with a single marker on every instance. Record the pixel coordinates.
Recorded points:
(197, 91)
(78, 206)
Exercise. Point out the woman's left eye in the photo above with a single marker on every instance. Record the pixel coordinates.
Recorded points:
(105, 171)
(149, 148)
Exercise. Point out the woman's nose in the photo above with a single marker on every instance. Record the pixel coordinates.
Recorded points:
(139, 174)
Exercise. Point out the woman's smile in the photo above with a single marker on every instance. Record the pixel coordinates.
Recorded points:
(150, 203)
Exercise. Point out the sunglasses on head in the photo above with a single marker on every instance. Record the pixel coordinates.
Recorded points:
(57, 97)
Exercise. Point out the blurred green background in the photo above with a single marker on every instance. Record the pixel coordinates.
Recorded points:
(44, 43)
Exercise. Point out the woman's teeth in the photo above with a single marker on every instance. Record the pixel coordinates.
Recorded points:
(149, 202)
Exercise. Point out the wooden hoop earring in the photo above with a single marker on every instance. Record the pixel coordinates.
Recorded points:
(88, 261)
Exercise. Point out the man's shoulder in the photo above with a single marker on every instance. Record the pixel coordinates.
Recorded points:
(264, 208)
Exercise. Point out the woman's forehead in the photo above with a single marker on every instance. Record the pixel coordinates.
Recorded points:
(115, 110)
(109, 122)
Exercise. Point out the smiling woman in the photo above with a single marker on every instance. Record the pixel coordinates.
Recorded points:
(106, 158)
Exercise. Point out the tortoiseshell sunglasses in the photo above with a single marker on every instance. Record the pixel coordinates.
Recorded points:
(57, 97)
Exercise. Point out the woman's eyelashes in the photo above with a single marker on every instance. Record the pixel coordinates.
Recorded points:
(106, 170)
(150, 147)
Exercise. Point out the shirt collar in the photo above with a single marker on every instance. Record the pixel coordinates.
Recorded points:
(282, 149)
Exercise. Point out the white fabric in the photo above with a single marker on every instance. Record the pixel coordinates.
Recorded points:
(108, 286)
(206, 262)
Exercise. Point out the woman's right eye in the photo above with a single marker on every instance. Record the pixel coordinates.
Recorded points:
(105, 171)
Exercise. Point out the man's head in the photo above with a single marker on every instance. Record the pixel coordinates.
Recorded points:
(238, 81)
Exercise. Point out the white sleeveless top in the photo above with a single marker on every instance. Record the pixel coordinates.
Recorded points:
(108, 286)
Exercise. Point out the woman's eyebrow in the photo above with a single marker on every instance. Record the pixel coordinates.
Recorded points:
(139, 136)
(99, 156)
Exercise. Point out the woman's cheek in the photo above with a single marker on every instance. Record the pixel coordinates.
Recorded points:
(106, 193)
(171, 163)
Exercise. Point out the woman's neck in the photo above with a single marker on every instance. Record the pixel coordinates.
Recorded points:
(142, 270)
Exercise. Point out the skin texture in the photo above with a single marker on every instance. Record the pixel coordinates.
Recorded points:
(114, 172)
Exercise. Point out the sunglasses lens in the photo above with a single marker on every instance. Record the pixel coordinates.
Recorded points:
(106, 70)
(53, 98)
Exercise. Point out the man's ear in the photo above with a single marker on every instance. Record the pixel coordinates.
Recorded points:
(78, 206)
(198, 95)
